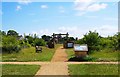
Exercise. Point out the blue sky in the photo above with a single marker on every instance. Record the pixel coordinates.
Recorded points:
(76, 18)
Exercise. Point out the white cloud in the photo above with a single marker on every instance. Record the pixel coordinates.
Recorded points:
(106, 30)
(79, 32)
(84, 6)
(73, 31)
(45, 32)
(18, 8)
(25, 2)
(69, 29)
(44, 6)
(97, 7)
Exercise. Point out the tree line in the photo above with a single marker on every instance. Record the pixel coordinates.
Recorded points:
(96, 42)
(13, 42)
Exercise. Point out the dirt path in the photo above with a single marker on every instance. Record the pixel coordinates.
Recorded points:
(53, 68)
(57, 66)
(60, 55)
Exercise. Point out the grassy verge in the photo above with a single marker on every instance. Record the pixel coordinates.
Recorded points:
(17, 70)
(29, 54)
(93, 69)
(103, 55)
(70, 53)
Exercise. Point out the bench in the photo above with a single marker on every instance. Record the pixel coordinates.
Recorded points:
(38, 48)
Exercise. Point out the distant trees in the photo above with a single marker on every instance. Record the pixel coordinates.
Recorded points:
(46, 38)
(71, 39)
(12, 33)
(116, 41)
(39, 42)
(13, 42)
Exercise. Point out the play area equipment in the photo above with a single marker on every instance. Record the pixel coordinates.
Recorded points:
(57, 39)
(51, 44)
(80, 50)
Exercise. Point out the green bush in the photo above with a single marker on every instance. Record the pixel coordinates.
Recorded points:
(24, 44)
(105, 43)
(10, 44)
(92, 40)
(116, 41)
(39, 42)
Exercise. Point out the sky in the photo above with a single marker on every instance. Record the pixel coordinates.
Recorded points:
(77, 17)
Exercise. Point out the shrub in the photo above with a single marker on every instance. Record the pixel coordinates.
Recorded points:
(92, 40)
(24, 44)
(10, 44)
(39, 42)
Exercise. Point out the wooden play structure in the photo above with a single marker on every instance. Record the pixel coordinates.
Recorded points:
(51, 43)
(57, 39)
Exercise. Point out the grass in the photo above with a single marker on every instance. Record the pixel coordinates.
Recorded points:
(29, 54)
(16, 70)
(93, 69)
(103, 55)
(70, 53)
(0, 70)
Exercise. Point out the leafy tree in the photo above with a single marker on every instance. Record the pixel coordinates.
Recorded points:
(2, 33)
(12, 33)
(39, 42)
(71, 39)
(10, 44)
(46, 38)
(92, 40)
(105, 42)
(116, 41)
(29, 39)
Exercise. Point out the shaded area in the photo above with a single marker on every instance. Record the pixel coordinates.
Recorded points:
(81, 59)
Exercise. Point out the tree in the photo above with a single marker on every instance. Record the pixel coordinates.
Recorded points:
(106, 42)
(116, 41)
(46, 38)
(39, 42)
(92, 40)
(12, 33)
(10, 44)
(2, 33)
(71, 39)
(30, 39)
